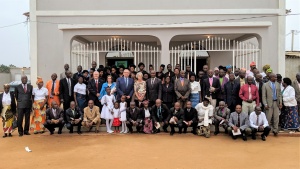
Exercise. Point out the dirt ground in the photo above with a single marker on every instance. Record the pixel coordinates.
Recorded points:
(143, 151)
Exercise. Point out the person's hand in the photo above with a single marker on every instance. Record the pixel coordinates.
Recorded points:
(52, 93)
(91, 123)
(176, 119)
(261, 128)
(62, 100)
(181, 97)
(280, 106)
(190, 123)
(98, 95)
(127, 97)
(235, 128)
(267, 107)
(77, 121)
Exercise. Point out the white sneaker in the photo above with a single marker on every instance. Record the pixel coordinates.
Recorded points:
(110, 132)
(125, 132)
(292, 132)
(122, 131)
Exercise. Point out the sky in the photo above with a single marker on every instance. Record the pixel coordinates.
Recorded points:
(14, 46)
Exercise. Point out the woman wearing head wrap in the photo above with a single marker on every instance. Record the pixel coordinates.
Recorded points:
(265, 68)
(40, 95)
(8, 110)
(228, 71)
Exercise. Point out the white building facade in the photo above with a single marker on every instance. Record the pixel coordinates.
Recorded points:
(190, 32)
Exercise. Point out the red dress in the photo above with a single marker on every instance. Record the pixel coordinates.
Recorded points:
(116, 122)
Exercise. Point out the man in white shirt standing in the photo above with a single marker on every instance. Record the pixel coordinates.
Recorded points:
(259, 122)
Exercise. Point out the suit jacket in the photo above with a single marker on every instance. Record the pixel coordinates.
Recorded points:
(260, 91)
(12, 104)
(93, 115)
(24, 100)
(221, 92)
(219, 115)
(59, 115)
(244, 121)
(179, 115)
(164, 111)
(169, 74)
(75, 76)
(188, 74)
(168, 93)
(267, 94)
(56, 88)
(122, 89)
(190, 116)
(297, 90)
(64, 89)
(153, 90)
(184, 90)
(174, 78)
(142, 113)
(133, 116)
(69, 114)
(93, 91)
(215, 84)
(231, 93)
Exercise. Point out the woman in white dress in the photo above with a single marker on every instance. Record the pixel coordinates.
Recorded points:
(123, 106)
(205, 114)
(108, 104)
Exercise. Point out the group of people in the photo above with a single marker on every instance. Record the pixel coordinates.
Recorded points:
(241, 101)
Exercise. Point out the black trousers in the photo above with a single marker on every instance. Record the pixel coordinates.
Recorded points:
(21, 113)
(265, 132)
(179, 125)
(217, 125)
(70, 126)
(51, 127)
(139, 126)
(165, 126)
(193, 125)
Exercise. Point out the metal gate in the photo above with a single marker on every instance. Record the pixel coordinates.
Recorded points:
(84, 54)
(242, 53)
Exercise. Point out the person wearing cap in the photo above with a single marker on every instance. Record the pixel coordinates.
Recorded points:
(267, 78)
(229, 70)
(8, 110)
(53, 89)
(160, 73)
(265, 68)
(40, 95)
(216, 72)
(205, 113)
(250, 72)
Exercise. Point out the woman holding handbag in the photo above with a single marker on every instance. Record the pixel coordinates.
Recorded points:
(8, 110)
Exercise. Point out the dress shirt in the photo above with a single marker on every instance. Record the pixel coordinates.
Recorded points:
(244, 93)
(262, 120)
(147, 113)
(39, 94)
(6, 100)
(80, 88)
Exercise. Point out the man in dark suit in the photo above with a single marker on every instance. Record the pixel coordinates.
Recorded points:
(240, 81)
(259, 84)
(74, 118)
(188, 72)
(190, 118)
(169, 73)
(176, 75)
(211, 88)
(231, 92)
(133, 116)
(54, 118)
(94, 87)
(66, 90)
(182, 89)
(23, 94)
(160, 113)
(79, 72)
(175, 118)
(153, 86)
(125, 86)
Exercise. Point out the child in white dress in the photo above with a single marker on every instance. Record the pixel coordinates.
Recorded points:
(107, 110)
(123, 106)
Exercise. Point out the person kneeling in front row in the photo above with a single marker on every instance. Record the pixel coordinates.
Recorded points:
(190, 118)
(74, 118)
(205, 114)
(91, 116)
(54, 118)
(238, 121)
(175, 118)
(259, 122)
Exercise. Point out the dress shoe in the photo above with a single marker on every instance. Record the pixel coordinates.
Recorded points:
(253, 137)
(216, 132)
(234, 137)
(59, 132)
(96, 131)
(27, 134)
(20, 135)
(263, 137)
(180, 132)
(244, 137)
(275, 133)
(5, 135)
(79, 132)
(51, 132)
(226, 131)
(35, 132)
(70, 132)
(172, 133)
(9, 135)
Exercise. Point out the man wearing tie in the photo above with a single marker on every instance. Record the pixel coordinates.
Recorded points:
(212, 87)
(190, 118)
(133, 116)
(153, 86)
(53, 89)
(249, 94)
(125, 86)
(54, 118)
(66, 90)
(74, 118)
(160, 114)
(272, 100)
(259, 122)
(188, 72)
(182, 89)
(238, 120)
(94, 87)
(169, 73)
(175, 118)
(91, 116)
(231, 93)
(23, 93)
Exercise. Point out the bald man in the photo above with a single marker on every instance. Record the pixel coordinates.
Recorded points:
(272, 100)
(91, 116)
(53, 89)
(221, 116)
(63, 74)
(175, 118)
(182, 89)
(94, 87)
(160, 113)
(250, 96)
(54, 118)
(66, 90)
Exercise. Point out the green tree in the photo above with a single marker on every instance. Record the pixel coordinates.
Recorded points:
(11, 65)
(4, 69)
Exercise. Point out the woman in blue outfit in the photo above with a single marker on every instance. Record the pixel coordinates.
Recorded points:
(109, 83)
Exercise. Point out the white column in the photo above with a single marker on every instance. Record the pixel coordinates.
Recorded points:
(33, 43)
(281, 40)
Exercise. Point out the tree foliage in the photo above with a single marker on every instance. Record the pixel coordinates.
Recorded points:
(4, 69)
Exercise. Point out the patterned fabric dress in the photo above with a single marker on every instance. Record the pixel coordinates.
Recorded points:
(7, 118)
(290, 118)
(38, 118)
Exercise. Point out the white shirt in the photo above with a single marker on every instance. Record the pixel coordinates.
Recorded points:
(147, 113)
(6, 100)
(262, 120)
(80, 88)
(40, 94)
(288, 96)
(195, 87)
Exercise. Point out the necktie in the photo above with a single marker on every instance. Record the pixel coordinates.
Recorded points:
(274, 91)
(250, 94)
(182, 82)
(126, 81)
(69, 86)
(152, 81)
(238, 125)
(188, 76)
(52, 88)
(73, 113)
(25, 89)
(159, 113)
(169, 74)
(96, 81)
(257, 120)
(210, 81)
(54, 112)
